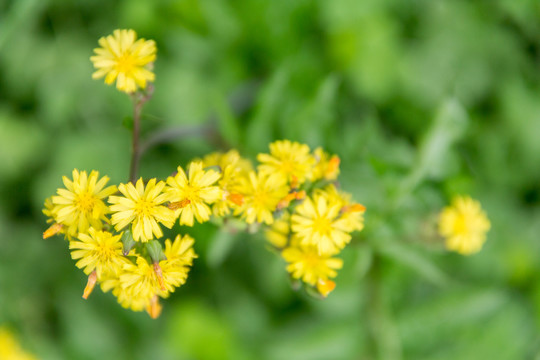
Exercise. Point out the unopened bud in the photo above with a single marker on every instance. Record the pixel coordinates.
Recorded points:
(154, 308)
(92, 278)
(159, 274)
(179, 204)
(238, 199)
(325, 287)
(52, 230)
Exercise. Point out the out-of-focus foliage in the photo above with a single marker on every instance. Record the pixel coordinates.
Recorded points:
(421, 99)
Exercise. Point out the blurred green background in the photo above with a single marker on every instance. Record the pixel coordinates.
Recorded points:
(421, 99)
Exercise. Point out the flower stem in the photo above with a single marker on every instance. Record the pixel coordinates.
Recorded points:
(139, 99)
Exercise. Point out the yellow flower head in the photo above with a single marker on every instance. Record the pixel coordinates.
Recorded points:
(317, 221)
(291, 160)
(181, 250)
(10, 348)
(352, 213)
(195, 191)
(278, 233)
(125, 59)
(80, 205)
(464, 225)
(262, 193)
(97, 250)
(143, 208)
(232, 168)
(326, 166)
(307, 264)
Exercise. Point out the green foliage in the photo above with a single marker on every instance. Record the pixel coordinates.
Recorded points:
(421, 100)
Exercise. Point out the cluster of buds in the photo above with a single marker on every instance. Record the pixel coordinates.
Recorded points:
(114, 232)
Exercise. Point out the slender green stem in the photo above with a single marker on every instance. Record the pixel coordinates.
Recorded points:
(139, 99)
(385, 343)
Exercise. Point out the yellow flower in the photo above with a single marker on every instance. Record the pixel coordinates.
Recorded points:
(143, 207)
(81, 205)
(326, 166)
(10, 348)
(232, 168)
(318, 222)
(351, 212)
(262, 193)
(291, 160)
(125, 59)
(278, 234)
(196, 189)
(307, 264)
(97, 250)
(464, 225)
(181, 250)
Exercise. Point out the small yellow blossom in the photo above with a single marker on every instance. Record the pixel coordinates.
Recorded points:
(278, 234)
(197, 187)
(232, 168)
(143, 208)
(317, 221)
(464, 225)
(291, 160)
(125, 59)
(10, 348)
(307, 264)
(80, 205)
(352, 213)
(97, 250)
(262, 194)
(326, 166)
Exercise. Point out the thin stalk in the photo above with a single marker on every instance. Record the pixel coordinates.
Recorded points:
(139, 99)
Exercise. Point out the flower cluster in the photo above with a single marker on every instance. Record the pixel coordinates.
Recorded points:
(113, 231)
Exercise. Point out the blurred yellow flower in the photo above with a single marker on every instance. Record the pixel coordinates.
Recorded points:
(317, 221)
(81, 205)
(307, 264)
(464, 225)
(125, 59)
(195, 191)
(352, 213)
(262, 193)
(232, 168)
(291, 160)
(326, 166)
(97, 250)
(10, 348)
(278, 234)
(143, 208)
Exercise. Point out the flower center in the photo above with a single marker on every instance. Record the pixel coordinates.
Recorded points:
(461, 226)
(144, 208)
(125, 63)
(85, 202)
(322, 225)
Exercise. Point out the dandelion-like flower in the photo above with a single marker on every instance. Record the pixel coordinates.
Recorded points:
(352, 213)
(326, 166)
(233, 168)
(194, 191)
(291, 160)
(279, 233)
(317, 221)
(125, 59)
(80, 205)
(464, 225)
(143, 208)
(307, 264)
(98, 250)
(262, 193)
